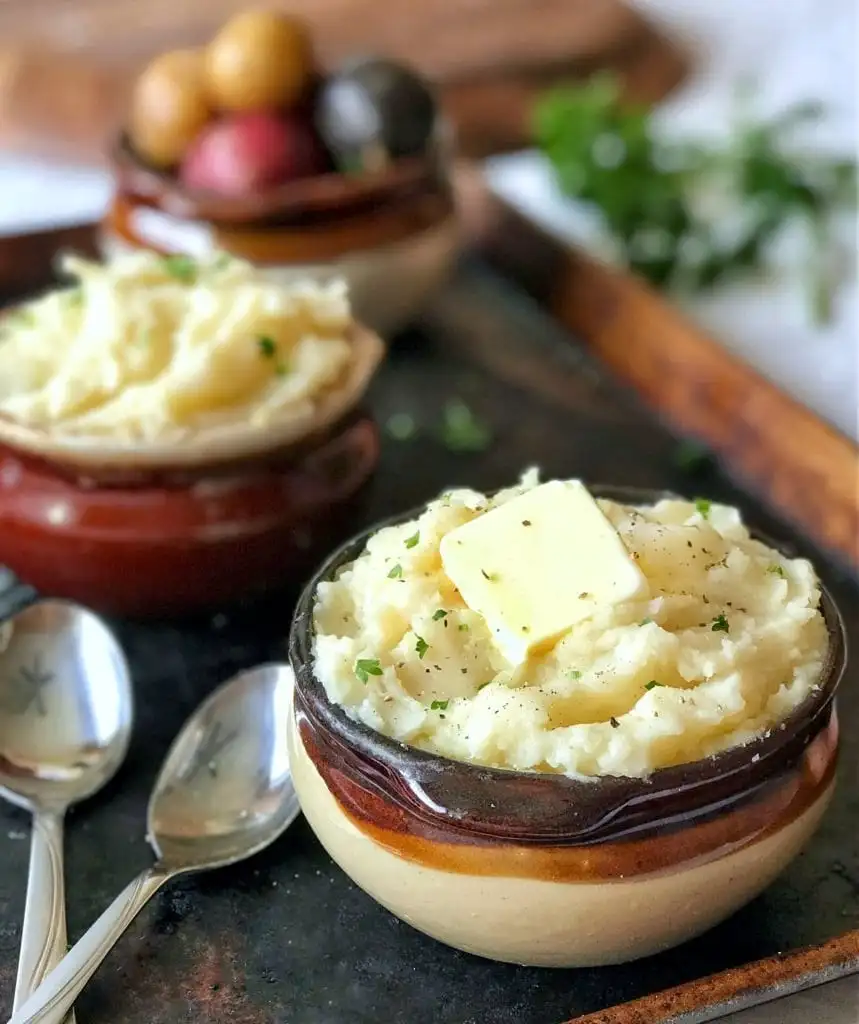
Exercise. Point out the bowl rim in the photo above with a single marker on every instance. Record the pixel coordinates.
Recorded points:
(226, 443)
(329, 191)
(607, 794)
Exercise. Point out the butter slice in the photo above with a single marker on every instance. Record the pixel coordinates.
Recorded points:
(537, 565)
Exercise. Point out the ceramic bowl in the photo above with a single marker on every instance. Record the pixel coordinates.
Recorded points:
(202, 521)
(549, 870)
(392, 235)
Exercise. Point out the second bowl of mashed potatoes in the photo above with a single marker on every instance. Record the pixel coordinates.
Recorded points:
(558, 728)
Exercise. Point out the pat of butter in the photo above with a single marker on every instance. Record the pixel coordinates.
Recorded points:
(539, 564)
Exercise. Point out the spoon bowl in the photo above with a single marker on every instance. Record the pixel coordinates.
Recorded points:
(225, 790)
(66, 706)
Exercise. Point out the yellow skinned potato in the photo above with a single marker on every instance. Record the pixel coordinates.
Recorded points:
(259, 60)
(169, 107)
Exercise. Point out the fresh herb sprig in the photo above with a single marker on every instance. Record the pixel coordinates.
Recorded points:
(649, 192)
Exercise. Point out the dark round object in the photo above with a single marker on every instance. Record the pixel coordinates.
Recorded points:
(374, 111)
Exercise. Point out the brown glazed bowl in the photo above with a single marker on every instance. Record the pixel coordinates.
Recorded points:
(550, 870)
(391, 234)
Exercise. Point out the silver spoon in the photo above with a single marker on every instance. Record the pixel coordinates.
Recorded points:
(224, 792)
(65, 721)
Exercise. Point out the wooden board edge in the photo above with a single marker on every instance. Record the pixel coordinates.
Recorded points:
(803, 468)
(740, 987)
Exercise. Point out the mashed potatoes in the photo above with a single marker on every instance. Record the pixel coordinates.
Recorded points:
(728, 640)
(146, 348)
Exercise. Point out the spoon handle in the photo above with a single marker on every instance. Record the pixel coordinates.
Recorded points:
(43, 934)
(50, 1003)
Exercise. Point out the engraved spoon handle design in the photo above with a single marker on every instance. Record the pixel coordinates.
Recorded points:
(43, 934)
(50, 1003)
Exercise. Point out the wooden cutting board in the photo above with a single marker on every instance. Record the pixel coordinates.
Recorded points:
(65, 66)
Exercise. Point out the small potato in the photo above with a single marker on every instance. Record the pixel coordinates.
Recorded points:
(259, 60)
(168, 107)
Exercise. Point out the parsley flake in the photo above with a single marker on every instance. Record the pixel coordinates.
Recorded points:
(462, 431)
(440, 614)
(267, 347)
(401, 426)
(463, 627)
(777, 570)
(483, 685)
(573, 674)
(702, 507)
(652, 684)
(439, 705)
(491, 576)
(413, 540)
(720, 625)
(396, 573)
(182, 267)
(421, 646)
(613, 722)
(366, 667)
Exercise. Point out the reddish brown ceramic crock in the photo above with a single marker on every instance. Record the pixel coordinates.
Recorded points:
(175, 543)
(477, 856)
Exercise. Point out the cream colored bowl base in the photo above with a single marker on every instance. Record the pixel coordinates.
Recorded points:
(545, 923)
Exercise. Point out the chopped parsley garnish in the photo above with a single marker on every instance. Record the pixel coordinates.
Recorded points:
(413, 540)
(462, 431)
(491, 576)
(613, 722)
(720, 625)
(777, 570)
(183, 268)
(267, 347)
(483, 685)
(702, 507)
(366, 667)
(526, 522)
(440, 614)
(573, 674)
(439, 705)
(396, 573)
(401, 426)
(463, 627)
(421, 646)
(653, 683)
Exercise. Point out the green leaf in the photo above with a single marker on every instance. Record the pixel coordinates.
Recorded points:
(440, 614)
(396, 572)
(401, 426)
(653, 683)
(413, 541)
(183, 268)
(462, 431)
(702, 507)
(267, 346)
(366, 667)
(720, 625)
(421, 646)
(439, 705)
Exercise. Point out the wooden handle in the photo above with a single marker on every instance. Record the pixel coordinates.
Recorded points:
(740, 987)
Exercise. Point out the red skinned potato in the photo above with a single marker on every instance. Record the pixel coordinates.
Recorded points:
(244, 152)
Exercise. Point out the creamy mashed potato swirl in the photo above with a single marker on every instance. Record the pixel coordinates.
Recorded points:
(727, 640)
(146, 348)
